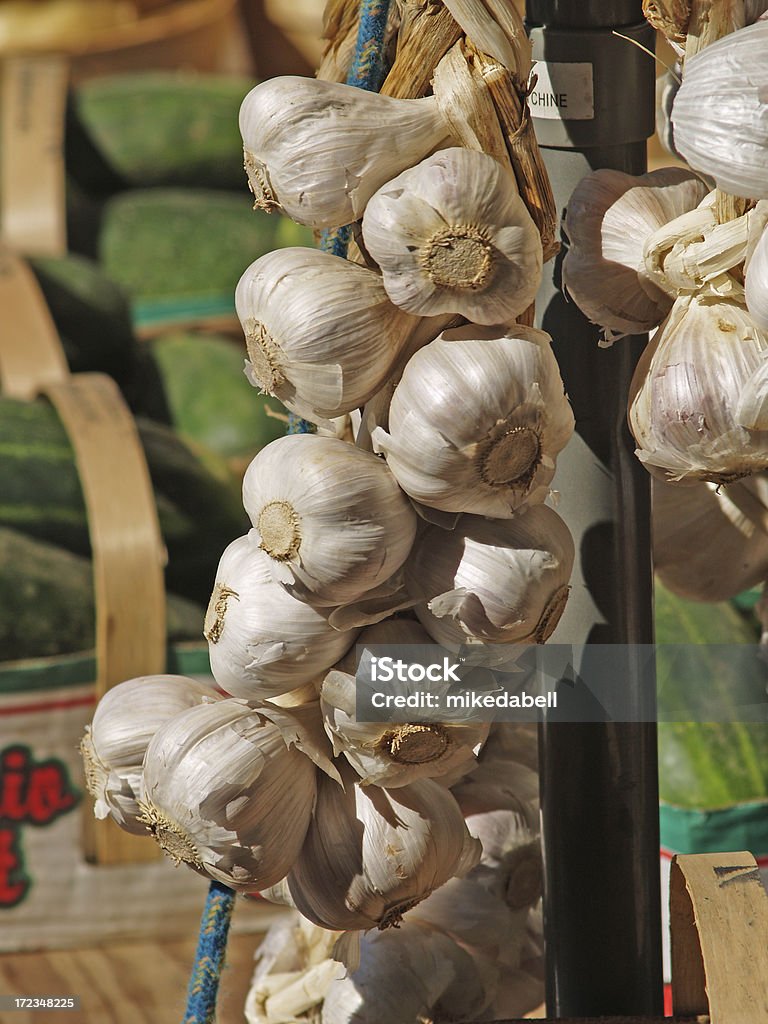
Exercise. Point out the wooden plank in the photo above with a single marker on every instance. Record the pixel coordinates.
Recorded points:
(719, 921)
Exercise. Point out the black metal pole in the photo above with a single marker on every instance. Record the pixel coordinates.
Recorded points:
(593, 107)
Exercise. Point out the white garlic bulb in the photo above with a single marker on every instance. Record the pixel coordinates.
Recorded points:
(319, 150)
(756, 282)
(685, 414)
(331, 518)
(262, 641)
(412, 973)
(493, 580)
(393, 754)
(225, 793)
(400, 631)
(706, 546)
(477, 420)
(452, 235)
(114, 744)
(720, 113)
(371, 854)
(608, 219)
(320, 332)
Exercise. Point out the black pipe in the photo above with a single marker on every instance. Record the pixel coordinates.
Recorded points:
(593, 107)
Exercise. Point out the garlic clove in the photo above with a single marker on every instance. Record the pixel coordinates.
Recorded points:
(321, 334)
(224, 793)
(493, 581)
(752, 410)
(331, 518)
(114, 744)
(452, 235)
(477, 421)
(263, 642)
(371, 853)
(319, 150)
(720, 116)
(686, 392)
(608, 219)
(706, 546)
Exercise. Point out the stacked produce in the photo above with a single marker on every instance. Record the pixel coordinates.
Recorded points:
(424, 523)
(691, 267)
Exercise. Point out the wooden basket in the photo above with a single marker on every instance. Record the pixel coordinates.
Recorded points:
(185, 33)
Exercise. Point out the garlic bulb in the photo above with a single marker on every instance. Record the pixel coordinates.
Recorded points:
(609, 216)
(224, 793)
(685, 414)
(491, 580)
(705, 545)
(756, 282)
(114, 744)
(393, 754)
(408, 974)
(371, 854)
(452, 235)
(720, 114)
(331, 518)
(477, 420)
(261, 641)
(319, 150)
(320, 332)
(398, 631)
(506, 781)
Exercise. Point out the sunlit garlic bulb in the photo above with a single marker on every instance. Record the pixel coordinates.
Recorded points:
(493, 580)
(371, 854)
(319, 150)
(331, 518)
(114, 744)
(226, 794)
(262, 641)
(321, 334)
(698, 410)
(393, 754)
(477, 420)
(452, 235)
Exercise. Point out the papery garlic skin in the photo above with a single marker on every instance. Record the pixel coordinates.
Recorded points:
(113, 747)
(393, 754)
(319, 150)
(263, 642)
(491, 580)
(225, 794)
(720, 113)
(477, 420)
(685, 411)
(608, 219)
(371, 854)
(320, 332)
(452, 235)
(331, 518)
(706, 547)
(756, 282)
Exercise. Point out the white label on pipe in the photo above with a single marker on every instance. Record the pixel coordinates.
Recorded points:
(563, 92)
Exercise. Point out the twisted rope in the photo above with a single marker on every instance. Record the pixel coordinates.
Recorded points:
(366, 72)
(209, 958)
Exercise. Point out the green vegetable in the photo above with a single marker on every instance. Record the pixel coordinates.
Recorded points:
(200, 387)
(47, 606)
(157, 128)
(180, 253)
(198, 500)
(708, 764)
